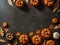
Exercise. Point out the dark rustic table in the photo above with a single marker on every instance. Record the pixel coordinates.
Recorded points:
(24, 20)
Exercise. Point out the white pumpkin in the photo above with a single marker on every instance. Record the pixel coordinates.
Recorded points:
(56, 35)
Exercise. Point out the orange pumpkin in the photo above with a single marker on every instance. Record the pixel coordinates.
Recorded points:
(36, 39)
(48, 2)
(46, 33)
(5, 24)
(19, 3)
(34, 2)
(50, 42)
(23, 39)
(54, 20)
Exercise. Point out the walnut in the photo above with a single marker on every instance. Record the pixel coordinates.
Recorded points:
(9, 36)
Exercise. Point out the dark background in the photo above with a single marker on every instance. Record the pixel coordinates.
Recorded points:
(26, 21)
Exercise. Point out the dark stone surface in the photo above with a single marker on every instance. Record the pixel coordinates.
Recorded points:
(26, 21)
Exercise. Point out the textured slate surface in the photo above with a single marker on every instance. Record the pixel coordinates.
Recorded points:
(24, 21)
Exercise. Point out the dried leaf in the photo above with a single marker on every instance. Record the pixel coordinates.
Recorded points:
(56, 6)
(10, 2)
(57, 26)
(2, 40)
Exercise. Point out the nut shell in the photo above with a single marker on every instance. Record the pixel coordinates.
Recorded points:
(9, 36)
